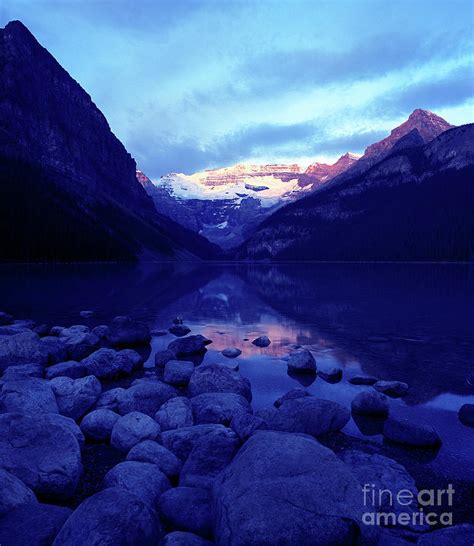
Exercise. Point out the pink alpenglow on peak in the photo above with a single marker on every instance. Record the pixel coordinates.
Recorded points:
(324, 172)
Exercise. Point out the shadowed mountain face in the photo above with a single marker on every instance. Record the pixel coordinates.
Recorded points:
(68, 186)
(416, 203)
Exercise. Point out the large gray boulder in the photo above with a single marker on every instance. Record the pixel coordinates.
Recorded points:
(218, 407)
(371, 404)
(113, 516)
(127, 332)
(245, 424)
(55, 348)
(405, 432)
(27, 396)
(178, 372)
(22, 371)
(286, 489)
(189, 345)
(217, 378)
(301, 361)
(80, 341)
(98, 424)
(175, 413)
(70, 368)
(108, 363)
(42, 454)
(146, 397)
(145, 480)
(309, 415)
(152, 452)
(13, 493)
(109, 399)
(132, 429)
(22, 348)
(67, 423)
(76, 396)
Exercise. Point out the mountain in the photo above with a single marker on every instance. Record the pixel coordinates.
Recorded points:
(68, 186)
(416, 203)
(226, 205)
(325, 172)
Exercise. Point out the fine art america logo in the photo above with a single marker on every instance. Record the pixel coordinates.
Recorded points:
(407, 507)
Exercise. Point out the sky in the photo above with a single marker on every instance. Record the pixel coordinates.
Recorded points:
(189, 85)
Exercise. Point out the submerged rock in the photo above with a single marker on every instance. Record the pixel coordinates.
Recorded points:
(370, 403)
(98, 424)
(127, 332)
(395, 389)
(112, 516)
(175, 413)
(405, 432)
(216, 378)
(218, 407)
(466, 415)
(146, 397)
(231, 352)
(76, 396)
(301, 361)
(189, 345)
(261, 341)
(22, 348)
(132, 429)
(31, 396)
(331, 375)
(178, 372)
(13, 493)
(152, 452)
(363, 380)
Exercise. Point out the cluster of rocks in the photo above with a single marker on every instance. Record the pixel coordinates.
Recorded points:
(198, 465)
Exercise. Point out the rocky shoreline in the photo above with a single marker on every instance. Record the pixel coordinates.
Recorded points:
(94, 451)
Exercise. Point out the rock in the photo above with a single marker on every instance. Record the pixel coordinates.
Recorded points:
(80, 341)
(177, 320)
(22, 371)
(457, 535)
(175, 413)
(146, 397)
(98, 424)
(86, 314)
(159, 333)
(108, 363)
(128, 358)
(178, 372)
(405, 432)
(245, 424)
(181, 538)
(31, 396)
(231, 352)
(189, 345)
(142, 479)
(466, 415)
(286, 489)
(187, 509)
(309, 415)
(154, 453)
(209, 456)
(33, 525)
(102, 332)
(179, 330)
(301, 361)
(331, 375)
(55, 348)
(112, 516)
(45, 456)
(127, 332)
(76, 396)
(363, 380)
(162, 357)
(292, 394)
(132, 429)
(215, 378)
(56, 330)
(67, 424)
(22, 348)
(42, 330)
(218, 407)
(372, 404)
(71, 368)
(13, 493)
(109, 399)
(261, 341)
(395, 389)
(182, 440)
(5, 318)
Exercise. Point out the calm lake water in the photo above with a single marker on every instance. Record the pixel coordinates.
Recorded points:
(409, 322)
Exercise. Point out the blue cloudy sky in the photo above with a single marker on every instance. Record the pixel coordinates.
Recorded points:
(188, 85)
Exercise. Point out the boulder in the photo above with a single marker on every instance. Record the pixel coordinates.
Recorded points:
(127, 332)
(98, 424)
(22, 348)
(363, 380)
(370, 403)
(457, 535)
(144, 480)
(109, 399)
(301, 361)
(402, 431)
(66, 423)
(76, 396)
(309, 415)
(231, 352)
(162, 357)
(22, 371)
(466, 415)
(218, 407)
(132, 429)
(71, 368)
(56, 331)
(182, 440)
(261, 341)
(189, 345)
(151, 452)
(245, 424)
(33, 525)
(395, 389)
(13, 493)
(55, 348)
(178, 372)
(101, 331)
(182, 538)
(215, 378)
(146, 397)
(27, 396)
(187, 509)
(331, 375)
(286, 489)
(80, 341)
(112, 516)
(42, 330)
(86, 314)
(44, 455)
(108, 363)
(292, 394)
(128, 358)
(175, 413)
(179, 330)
